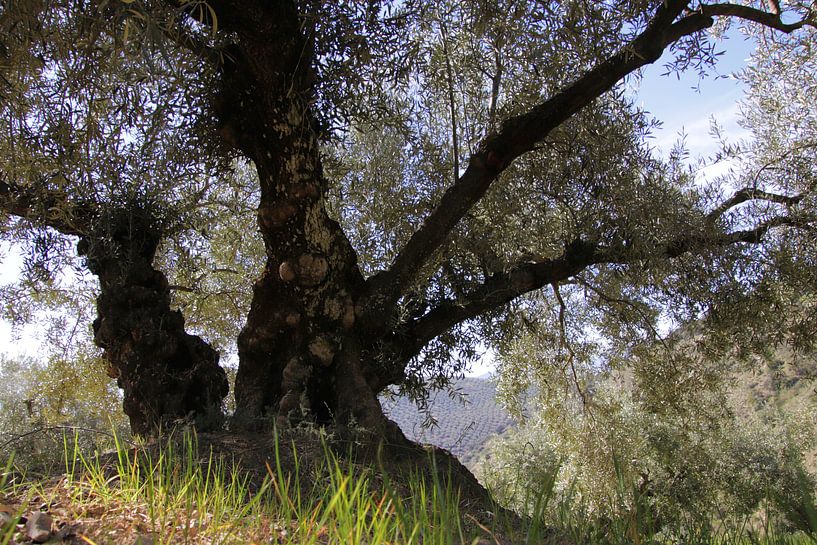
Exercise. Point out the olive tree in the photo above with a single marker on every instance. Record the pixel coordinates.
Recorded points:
(709, 422)
(425, 172)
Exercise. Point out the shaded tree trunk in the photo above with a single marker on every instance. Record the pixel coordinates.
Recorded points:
(165, 373)
(301, 351)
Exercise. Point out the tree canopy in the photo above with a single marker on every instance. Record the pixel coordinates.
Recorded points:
(427, 179)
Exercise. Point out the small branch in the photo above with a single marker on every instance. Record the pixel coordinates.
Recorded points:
(750, 194)
(48, 207)
(767, 19)
(499, 289)
(198, 279)
(496, 82)
(451, 102)
(688, 244)
(18, 438)
(174, 30)
(571, 359)
(755, 236)
(788, 153)
(610, 300)
(176, 287)
(196, 46)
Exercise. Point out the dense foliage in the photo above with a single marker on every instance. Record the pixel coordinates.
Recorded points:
(719, 447)
(712, 423)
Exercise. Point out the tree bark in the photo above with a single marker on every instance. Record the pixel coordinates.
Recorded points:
(300, 352)
(166, 374)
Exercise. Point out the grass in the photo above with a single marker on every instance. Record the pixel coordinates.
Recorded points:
(174, 495)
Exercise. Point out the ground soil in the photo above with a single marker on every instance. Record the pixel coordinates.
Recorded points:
(297, 451)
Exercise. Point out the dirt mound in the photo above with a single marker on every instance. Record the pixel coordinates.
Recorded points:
(302, 455)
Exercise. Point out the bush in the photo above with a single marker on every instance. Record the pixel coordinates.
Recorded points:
(693, 460)
(41, 402)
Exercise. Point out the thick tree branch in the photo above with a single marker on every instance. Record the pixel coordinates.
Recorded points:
(520, 134)
(501, 288)
(45, 207)
(750, 194)
(687, 244)
(771, 20)
(504, 287)
(516, 136)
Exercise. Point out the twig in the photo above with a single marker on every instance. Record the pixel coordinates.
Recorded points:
(566, 345)
(63, 428)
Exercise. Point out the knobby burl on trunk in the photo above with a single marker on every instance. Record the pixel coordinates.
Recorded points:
(165, 373)
(301, 350)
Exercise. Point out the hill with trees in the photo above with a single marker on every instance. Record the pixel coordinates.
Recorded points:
(471, 420)
(462, 421)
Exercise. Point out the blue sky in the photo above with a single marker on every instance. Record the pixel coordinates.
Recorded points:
(688, 103)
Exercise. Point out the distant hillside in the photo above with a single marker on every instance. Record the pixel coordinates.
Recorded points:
(462, 428)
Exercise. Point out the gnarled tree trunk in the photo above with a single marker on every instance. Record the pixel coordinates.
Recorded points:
(165, 373)
(301, 351)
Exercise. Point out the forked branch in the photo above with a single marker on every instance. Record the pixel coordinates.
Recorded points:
(520, 134)
(517, 136)
(751, 194)
(771, 19)
(504, 287)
